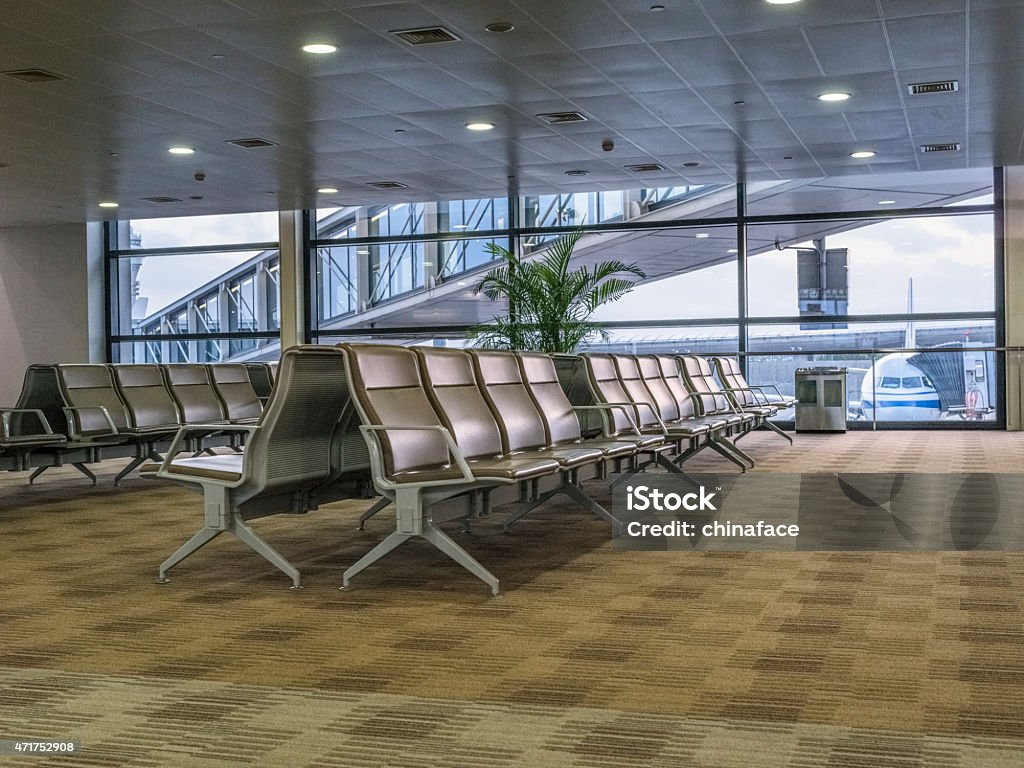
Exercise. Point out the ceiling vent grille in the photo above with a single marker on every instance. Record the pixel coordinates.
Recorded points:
(645, 168)
(941, 86)
(387, 185)
(253, 143)
(161, 199)
(426, 35)
(557, 118)
(953, 146)
(33, 75)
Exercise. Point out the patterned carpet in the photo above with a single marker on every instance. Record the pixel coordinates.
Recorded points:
(590, 658)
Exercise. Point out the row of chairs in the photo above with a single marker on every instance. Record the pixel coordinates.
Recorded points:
(82, 413)
(675, 395)
(427, 425)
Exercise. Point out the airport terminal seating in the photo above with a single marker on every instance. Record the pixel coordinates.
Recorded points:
(96, 412)
(752, 398)
(420, 426)
(290, 455)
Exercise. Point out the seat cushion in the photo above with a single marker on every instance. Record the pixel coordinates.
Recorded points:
(226, 468)
(566, 456)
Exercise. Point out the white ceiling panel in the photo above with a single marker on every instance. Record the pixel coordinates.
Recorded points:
(663, 86)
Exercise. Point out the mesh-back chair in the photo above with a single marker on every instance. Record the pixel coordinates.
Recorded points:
(288, 454)
(261, 379)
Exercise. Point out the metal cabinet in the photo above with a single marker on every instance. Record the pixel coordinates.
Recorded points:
(821, 400)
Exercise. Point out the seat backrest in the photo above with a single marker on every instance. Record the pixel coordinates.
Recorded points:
(91, 387)
(729, 372)
(452, 388)
(650, 372)
(260, 378)
(272, 368)
(677, 385)
(501, 381)
(387, 389)
(699, 378)
(292, 450)
(235, 391)
(145, 393)
(193, 391)
(629, 374)
(41, 391)
(552, 403)
(603, 379)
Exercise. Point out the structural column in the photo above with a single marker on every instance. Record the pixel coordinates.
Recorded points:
(293, 280)
(1013, 290)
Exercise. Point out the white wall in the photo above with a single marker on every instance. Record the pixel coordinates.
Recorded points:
(44, 300)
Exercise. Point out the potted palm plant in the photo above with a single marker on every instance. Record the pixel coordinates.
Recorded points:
(549, 304)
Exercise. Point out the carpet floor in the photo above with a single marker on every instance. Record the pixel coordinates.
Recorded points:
(589, 658)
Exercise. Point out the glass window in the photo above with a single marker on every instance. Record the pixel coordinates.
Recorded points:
(185, 231)
(895, 266)
(935, 382)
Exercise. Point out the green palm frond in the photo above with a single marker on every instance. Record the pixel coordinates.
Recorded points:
(552, 302)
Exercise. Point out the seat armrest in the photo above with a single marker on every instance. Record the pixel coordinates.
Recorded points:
(763, 387)
(175, 448)
(70, 411)
(454, 453)
(624, 407)
(5, 420)
(186, 429)
(755, 391)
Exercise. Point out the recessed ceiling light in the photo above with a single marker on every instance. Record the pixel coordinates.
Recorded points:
(657, 8)
(218, 56)
(181, 151)
(833, 96)
(781, 2)
(363, 252)
(887, 202)
(862, 154)
(108, 204)
(320, 48)
(459, 226)
(702, 235)
(691, 164)
(500, 26)
(577, 172)
(733, 250)
(479, 126)
(328, 190)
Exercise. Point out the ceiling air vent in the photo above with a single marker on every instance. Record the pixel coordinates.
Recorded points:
(426, 35)
(953, 146)
(161, 199)
(942, 86)
(254, 143)
(33, 75)
(557, 118)
(645, 168)
(387, 185)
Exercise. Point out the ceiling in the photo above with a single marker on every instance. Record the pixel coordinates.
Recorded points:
(728, 84)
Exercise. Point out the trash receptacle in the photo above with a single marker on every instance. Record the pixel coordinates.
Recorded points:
(821, 400)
